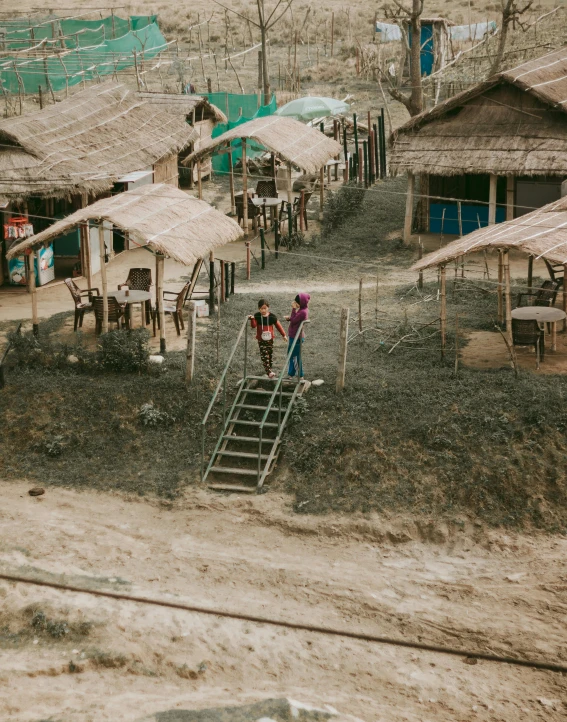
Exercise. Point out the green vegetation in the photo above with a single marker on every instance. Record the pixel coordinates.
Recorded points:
(407, 435)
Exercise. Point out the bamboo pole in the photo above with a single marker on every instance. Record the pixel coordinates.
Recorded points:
(332, 34)
(190, 356)
(530, 273)
(409, 207)
(247, 260)
(500, 281)
(32, 289)
(456, 343)
(244, 187)
(102, 252)
(492, 200)
(510, 197)
(231, 183)
(159, 294)
(360, 305)
(343, 346)
(199, 180)
(301, 210)
(321, 192)
(443, 295)
(420, 256)
(507, 296)
(222, 297)
(565, 295)
(211, 283)
(289, 183)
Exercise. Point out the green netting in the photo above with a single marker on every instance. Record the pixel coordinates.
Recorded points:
(238, 109)
(96, 56)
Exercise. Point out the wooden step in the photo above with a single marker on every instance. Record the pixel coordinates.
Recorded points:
(230, 487)
(255, 439)
(242, 454)
(232, 470)
(265, 393)
(253, 423)
(257, 408)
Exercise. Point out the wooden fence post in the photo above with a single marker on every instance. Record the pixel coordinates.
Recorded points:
(507, 297)
(191, 324)
(244, 187)
(321, 192)
(32, 288)
(160, 263)
(343, 346)
(500, 280)
(247, 260)
(443, 295)
(102, 252)
(409, 208)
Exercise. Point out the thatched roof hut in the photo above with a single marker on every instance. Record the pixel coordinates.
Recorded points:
(500, 148)
(195, 107)
(166, 220)
(84, 143)
(298, 144)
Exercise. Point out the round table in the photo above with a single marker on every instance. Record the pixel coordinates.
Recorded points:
(131, 299)
(271, 203)
(541, 314)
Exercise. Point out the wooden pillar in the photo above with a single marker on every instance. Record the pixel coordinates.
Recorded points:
(565, 295)
(289, 184)
(199, 180)
(321, 192)
(500, 282)
(530, 273)
(409, 207)
(211, 283)
(102, 250)
(492, 200)
(244, 187)
(86, 242)
(32, 289)
(510, 196)
(231, 183)
(159, 294)
(190, 357)
(507, 296)
(443, 295)
(343, 346)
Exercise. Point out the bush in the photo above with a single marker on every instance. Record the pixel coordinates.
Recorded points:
(125, 350)
(340, 205)
(149, 415)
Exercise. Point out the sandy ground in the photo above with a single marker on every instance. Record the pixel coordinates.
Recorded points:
(455, 586)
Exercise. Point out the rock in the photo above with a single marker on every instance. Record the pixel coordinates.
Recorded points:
(470, 660)
(547, 702)
(72, 359)
(317, 382)
(156, 359)
(36, 491)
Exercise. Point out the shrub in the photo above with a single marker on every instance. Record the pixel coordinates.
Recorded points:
(340, 205)
(149, 415)
(125, 350)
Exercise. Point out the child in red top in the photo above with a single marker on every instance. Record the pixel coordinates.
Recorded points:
(264, 322)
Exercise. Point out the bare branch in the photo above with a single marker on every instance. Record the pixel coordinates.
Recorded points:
(274, 10)
(280, 15)
(234, 11)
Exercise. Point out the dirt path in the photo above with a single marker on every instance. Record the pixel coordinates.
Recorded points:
(453, 586)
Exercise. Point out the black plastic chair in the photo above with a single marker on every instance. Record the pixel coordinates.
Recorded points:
(528, 333)
(544, 296)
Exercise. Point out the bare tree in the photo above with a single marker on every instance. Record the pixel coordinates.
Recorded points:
(265, 24)
(511, 13)
(406, 16)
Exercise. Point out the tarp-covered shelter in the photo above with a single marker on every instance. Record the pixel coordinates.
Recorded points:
(293, 142)
(165, 220)
(489, 154)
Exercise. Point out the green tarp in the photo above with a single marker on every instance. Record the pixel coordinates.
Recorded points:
(238, 109)
(97, 54)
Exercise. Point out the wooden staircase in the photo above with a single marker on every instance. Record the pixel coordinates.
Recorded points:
(241, 460)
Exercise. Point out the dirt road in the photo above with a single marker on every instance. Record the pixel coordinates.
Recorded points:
(120, 661)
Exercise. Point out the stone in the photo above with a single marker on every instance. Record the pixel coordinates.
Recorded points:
(156, 359)
(317, 382)
(36, 491)
(72, 359)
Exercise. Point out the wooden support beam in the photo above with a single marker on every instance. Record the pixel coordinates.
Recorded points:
(443, 296)
(492, 200)
(102, 251)
(343, 346)
(507, 296)
(530, 273)
(500, 282)
(409, 208)
(160, 263)
(289, 184)
(231, 183)
(321, 192)
(510, 196)
(32, 289)
(190, 356)
(565, 295)
(244, 187)
(199, 180)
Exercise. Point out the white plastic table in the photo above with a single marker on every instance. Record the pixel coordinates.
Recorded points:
(271, 203)
(131, 299)
(541, 314)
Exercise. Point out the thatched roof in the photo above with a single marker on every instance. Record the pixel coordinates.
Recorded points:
(163, 218)
(541, 233)
(185, 104)
(515, 122)
(302, 145)
(87, 141)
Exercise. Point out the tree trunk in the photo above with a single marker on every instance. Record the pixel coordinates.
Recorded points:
(416, 99)
(264, 34)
